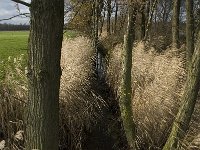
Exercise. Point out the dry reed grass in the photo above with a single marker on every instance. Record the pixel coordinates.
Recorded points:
(80, 106)
(158, 81)
(13, 94)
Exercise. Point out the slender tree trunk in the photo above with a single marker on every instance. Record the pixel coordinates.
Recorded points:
(42, 113)
(108, 16)
(164, 14)
(101, 18)
(181, 123)
(142, 21)
(147, 13)
(147, 10)
(143, 24)
(123, 18)
(116, 14)
(175, 23)
(102, 23)
(153, 8)
(189, 31)
(126, 88)
(122, 21)
(156, 23)
(95, 31)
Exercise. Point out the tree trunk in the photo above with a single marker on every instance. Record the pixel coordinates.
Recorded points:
(153, 8)
(116, 14)
(101, 18)
(108, 16)
(126, 88)
(141, 22)
(175, 23)
(102, 23)
(42, 113)
(95, 31)
(181, 123)
(147, 13)
(147, 10)
(189, 31)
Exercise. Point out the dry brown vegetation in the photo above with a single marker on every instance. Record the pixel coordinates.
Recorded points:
(13, 95)
(158, 82)
(80, 106)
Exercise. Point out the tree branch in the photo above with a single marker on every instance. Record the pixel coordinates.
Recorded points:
(24, 14)
(76, 13)
(22, 2)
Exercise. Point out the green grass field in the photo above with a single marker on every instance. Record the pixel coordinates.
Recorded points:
(15, 43)
(12, 45)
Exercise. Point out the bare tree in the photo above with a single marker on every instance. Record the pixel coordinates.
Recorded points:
(164, 10)
(108, 16)
(175, 23)
(126, 87)
(95, 31)
(141, 20)
(189, 30)
(182, 120)
(116, 15)
(150, 16)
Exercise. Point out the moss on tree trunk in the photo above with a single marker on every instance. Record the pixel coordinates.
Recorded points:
(126, 90)
(175, 23)
(189, 31)
(181, 123)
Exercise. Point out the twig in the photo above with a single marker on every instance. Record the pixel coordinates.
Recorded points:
(22, 2)
(23, 14)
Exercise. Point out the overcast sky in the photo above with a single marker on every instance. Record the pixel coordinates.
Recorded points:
(8, 9)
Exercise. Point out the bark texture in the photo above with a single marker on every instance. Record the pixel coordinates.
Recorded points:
(175, 23)
(141, 22)
(181, 123)
(126, 89)
(116, 15)
(108, 16)
(42, 114)
(148, 25)
(95, 31)
(189, 31)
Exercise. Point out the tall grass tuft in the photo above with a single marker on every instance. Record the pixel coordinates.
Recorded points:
(158, 81)
(80, 105)
(13, 95)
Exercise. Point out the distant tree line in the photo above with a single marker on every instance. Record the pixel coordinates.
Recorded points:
(13, 27)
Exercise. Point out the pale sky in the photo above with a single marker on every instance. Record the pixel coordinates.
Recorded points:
(8, 9)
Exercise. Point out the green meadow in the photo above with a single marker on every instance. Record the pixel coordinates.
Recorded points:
(13, 45)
